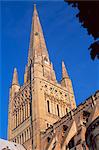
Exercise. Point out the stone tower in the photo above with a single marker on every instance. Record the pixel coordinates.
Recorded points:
(41, 100)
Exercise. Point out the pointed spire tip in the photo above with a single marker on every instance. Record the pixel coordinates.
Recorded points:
(34, 5)
(15, 69)
(63, 62)
(15, 77)
(64, 71)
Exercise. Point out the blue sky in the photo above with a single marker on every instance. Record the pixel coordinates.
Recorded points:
(65, 38)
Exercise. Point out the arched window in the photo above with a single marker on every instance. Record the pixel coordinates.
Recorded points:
(48, 139)
(48, 107)
(25, 135)
(58, 110)
(47, 125)
(22, 138)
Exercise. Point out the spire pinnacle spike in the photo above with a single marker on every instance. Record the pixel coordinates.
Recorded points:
(35, 10)
(37, 46)
(34, 6)
(64, 71)
(15, 77)
(53, 73)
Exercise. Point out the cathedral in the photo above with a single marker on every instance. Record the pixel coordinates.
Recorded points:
(42, 112)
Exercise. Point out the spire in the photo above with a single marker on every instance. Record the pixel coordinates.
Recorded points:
(37, 45)
(64, 71)
(15, 77)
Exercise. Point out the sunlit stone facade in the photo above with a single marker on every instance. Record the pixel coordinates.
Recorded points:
(42, 112)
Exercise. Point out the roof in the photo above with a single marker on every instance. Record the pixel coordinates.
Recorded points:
(7, 145)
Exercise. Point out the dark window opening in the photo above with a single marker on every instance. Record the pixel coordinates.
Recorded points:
(22, 138)
(65, 128)
(15, 140)
(36, 33)
(58, 110)
(66, 111)
(78, 142)
(48, 107)
(48, 139)
(45, 59)
(71, 143)
(45, 85)
(25, 135)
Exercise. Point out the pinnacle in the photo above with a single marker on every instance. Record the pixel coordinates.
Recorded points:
(15, 77)
(35, 10)
(64, 71)
(34, 5)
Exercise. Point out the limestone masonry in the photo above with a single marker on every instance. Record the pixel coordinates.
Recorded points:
(42, 112)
